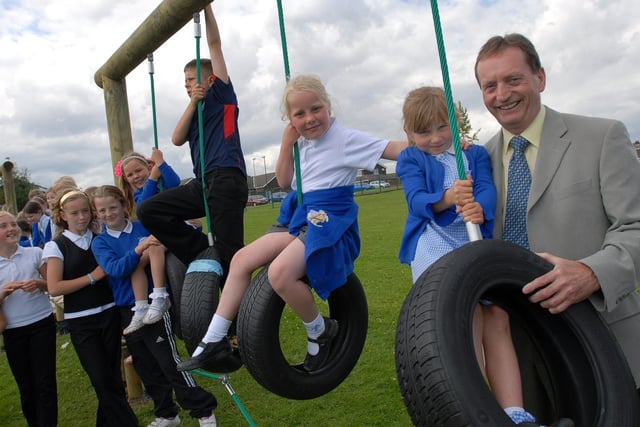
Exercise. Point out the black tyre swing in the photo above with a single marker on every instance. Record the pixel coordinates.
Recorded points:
(175, 270)
(439, 376)
(587, 376)
(259, 340)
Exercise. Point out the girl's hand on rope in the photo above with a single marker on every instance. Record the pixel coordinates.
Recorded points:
(290, 136)
(463, 192)
(471, 212)
(156, 156)
(464, 144)
(156, 160)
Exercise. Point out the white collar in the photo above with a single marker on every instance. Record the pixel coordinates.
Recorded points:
(116, 233)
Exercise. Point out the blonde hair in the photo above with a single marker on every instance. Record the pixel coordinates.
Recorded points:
(67, 195)
(423, 107)
(116, 193)
(64, 182)
(125, 186)
(304, 83)
(7, 213)
(36, 192)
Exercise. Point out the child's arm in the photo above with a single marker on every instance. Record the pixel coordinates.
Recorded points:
(158, 159)
(284, 165)
(448, 200)
(170, 178)
(112, 262)
(215, 45)
(393, 149)
(56, 286)
(181, 132)
(35, 284)
(484, 190)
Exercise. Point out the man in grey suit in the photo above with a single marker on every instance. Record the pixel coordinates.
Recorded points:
(583, 208)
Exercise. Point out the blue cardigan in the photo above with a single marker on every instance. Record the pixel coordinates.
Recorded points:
(37, 237)
(118, 259)
(423, 181)
(332, 242)
(169, 178)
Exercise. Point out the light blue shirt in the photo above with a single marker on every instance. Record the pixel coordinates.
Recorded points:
(436, 241)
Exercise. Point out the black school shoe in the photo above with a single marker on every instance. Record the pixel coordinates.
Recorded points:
(313, 363)
(217, 356)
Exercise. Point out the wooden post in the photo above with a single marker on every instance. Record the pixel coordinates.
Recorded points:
(131, 378)
(9, 187)
(118, 120)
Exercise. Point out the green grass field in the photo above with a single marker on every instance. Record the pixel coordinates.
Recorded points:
(370, 396)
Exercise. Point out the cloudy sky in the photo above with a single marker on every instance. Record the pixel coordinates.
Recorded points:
(369, 53)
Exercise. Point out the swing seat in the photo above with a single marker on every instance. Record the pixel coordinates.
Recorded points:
(259, 340)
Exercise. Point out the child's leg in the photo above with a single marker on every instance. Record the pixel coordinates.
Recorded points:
(502, 366)
(244, 263)
(285, 273)
(478, 326)
(158, 272)
(140, 285)
(159, 297)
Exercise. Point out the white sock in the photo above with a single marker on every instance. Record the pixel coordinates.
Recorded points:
(315, 328)
(159, 293)
(217, 331)
(140, 308)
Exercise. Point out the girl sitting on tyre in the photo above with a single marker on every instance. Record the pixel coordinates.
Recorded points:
(318, 239)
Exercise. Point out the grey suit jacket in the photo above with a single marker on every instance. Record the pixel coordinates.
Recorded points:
(584, 204)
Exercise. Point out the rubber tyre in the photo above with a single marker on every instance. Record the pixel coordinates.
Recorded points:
(199, 300)
(175, 271)
(439, 376)
(259, 344)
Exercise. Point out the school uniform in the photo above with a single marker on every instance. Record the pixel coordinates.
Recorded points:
(226, 187)
(30, 339)
(94, 326)
(41, 231)
(153, 347)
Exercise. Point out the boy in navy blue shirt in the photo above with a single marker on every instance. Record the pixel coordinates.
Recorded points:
(224, 171)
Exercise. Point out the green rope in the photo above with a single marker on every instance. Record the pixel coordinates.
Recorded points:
(196, 20)
(472, 229)
(227, 384)
(287, 74)
(153, 100)
(153, 109)
(453, 121)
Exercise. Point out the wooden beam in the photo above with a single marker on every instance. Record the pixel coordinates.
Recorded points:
(169, 17)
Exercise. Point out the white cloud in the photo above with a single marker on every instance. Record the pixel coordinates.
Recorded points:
(369, 53)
